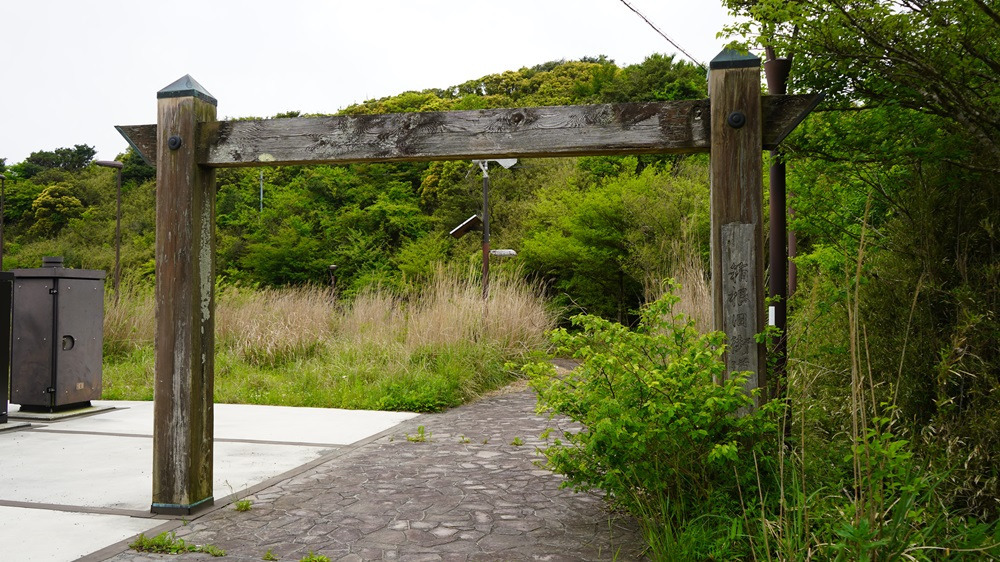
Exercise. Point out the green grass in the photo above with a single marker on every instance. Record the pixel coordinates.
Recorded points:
(420, 436)
(374, 379)
(169, 543)
(298, 347)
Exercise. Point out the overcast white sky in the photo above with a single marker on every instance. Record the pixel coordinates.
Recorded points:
(72, 69)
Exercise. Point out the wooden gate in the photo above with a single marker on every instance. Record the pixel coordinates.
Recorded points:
(187, 144)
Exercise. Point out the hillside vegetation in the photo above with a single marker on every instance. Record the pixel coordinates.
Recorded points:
(590, 228)
(887, 444)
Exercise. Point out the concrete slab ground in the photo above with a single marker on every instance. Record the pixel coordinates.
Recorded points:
(71, 486)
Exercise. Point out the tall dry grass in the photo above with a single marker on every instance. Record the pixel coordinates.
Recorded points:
(300, 346)
(695, 293)
(273, 326)
(375, 316)
(263, 326)
(129, 324)
(451, 309)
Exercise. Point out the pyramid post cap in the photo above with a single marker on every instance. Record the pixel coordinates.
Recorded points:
(185, 86)
(731, 58)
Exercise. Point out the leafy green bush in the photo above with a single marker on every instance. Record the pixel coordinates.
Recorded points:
(606, 244)
(896, 512)
(663, 438)
(657, 426)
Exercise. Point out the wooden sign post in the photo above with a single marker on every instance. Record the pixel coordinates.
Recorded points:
(187, 144)
(737, 219)
(185, 303)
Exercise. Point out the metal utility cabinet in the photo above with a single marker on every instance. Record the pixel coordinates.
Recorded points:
(57, 336)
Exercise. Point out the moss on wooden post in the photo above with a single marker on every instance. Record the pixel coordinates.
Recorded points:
(185, 303)
(736, 195)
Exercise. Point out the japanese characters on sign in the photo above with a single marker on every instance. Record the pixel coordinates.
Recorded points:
(738, 297)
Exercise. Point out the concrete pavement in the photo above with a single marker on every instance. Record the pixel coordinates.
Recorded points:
(471, 490)
(69, 487)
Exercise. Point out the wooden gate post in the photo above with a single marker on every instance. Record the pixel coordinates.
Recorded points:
(736, 195)
(185, 303)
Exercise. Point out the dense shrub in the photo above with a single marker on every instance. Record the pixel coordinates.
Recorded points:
(657, 428)
(664, 438)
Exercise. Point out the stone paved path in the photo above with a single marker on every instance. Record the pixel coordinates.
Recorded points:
(466, 493)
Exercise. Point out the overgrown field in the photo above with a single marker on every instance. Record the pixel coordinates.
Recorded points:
(304, 347)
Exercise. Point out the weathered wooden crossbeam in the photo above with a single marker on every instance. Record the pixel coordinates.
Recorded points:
(532, 132)
(188, 143)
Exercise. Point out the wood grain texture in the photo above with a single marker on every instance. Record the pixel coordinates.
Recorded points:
(585, 130)
(737, 192)
(461, 135)
(185, 309)
(781, 114)
(739, 296)
(142, 138)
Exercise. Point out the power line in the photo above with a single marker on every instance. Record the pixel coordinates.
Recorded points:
(662, 34)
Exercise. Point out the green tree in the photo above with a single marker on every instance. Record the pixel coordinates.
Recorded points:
(17, 211)
(658, 78)
(68, 159)
(134, 169)
(907, 149)
(288, 255)
(925, 55)
(53, 209)
(603, 245)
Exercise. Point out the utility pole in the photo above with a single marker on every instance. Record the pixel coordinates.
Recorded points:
(484, 166)
(118, 221)
(776, 71)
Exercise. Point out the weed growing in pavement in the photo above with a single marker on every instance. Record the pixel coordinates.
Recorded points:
(269, 555)
(420, 436)
(211, 550)
(314, 558)
(242, 504)
(169, 543)
(463, 439)
(517, 442)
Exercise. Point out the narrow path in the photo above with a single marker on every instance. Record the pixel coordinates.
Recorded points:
(466, 493)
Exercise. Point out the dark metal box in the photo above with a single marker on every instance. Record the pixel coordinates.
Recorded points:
(57, 337)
